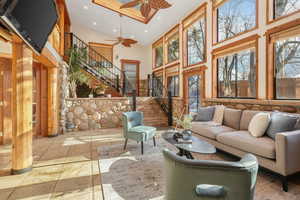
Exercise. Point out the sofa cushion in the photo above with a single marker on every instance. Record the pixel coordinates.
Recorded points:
(259, 124)
(209, 123)
(219, 114)
(232, 118)
(246, 117)
(210, 131)
(243, 140)
(281, 122)
(204, 114)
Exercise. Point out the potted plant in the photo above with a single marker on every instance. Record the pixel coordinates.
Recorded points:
(186, 124)
(75, 75)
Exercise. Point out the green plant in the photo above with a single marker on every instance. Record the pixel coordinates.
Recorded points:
(185, 123)
(77, 56)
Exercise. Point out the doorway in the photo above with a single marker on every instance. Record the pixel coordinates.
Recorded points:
(131, 69)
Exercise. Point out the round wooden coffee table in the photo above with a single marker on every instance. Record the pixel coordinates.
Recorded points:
(197, 146)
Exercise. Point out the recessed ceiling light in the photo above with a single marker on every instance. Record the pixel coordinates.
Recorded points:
(115, 30)
(146, 31)
(94, 23)
(85, 7)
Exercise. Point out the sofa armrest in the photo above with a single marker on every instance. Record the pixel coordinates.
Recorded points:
(287, 152)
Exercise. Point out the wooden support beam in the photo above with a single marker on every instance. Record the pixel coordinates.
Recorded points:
(44, 101)
(61, 23)
(5, 35)
(52, 102)
(22, 63)
(6, 67)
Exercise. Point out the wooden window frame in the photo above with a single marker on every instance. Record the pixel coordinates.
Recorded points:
(200, 12)
(270, 18)
(238, 46)
(270, 65)
(170, 76)
(168, 36)
(216, 5)
(159, 42)
(190, 72)
(137, 62)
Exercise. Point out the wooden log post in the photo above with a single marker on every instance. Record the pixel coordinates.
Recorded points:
(53, 102)
(22, 63)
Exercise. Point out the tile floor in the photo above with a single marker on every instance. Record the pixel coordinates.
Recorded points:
(64, 167)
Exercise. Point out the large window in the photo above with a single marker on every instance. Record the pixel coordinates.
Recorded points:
(234, 17)
(194, 93)
(173, 85)
(285, 7)
(173, 48)
(287, 68)
(237, 75)
(159, 55)
(196, 42)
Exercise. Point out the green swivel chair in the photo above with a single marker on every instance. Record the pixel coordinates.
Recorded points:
(133, 128)
(209, 180)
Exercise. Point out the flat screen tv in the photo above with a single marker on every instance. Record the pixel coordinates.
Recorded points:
(32, 20)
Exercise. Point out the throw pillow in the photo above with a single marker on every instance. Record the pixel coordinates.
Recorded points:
(259, 124)
(281, 122)
(219, 114)
(204, 114)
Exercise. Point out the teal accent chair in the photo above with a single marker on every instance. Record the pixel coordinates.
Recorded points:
(209, 180)
(134, 129)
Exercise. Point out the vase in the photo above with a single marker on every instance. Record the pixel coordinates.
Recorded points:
(186, 134)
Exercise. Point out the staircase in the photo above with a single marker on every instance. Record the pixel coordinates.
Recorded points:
(157, 109)
(153, 114)
(96, 65)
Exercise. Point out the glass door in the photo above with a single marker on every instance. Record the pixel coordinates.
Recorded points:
(131, 70)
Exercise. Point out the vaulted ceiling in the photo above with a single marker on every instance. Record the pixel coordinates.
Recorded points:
(107, 21)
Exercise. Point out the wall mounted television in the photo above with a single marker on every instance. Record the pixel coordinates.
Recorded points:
(32, 20)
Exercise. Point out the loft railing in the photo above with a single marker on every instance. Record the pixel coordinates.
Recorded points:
(94, 63)
(162, 96)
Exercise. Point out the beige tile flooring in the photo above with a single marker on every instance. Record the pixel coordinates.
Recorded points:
(65, 167)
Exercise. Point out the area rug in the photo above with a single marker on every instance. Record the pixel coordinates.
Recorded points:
(128, 175)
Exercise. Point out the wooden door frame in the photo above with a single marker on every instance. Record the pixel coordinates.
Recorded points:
(188, 73)
(137, 63)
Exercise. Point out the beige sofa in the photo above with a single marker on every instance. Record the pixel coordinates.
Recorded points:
(280, 155)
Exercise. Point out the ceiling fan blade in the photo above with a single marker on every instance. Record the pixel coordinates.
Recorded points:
(159, 4)
(130, 41)
(116, 43)
(145, 9)
(126, 44)
(130, 4)
(112, 40)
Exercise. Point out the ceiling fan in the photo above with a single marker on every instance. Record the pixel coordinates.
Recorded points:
(147, 5)
(127, 42)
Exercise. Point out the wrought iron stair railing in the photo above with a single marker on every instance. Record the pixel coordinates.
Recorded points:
(162, 96)
(97, 65)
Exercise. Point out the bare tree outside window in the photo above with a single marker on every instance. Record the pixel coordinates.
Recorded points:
(173, 85)
(159, 56)
(287, 68)
(173, 48)
(196, 42)
(237, 75)
(235, 16)
(285, 7)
